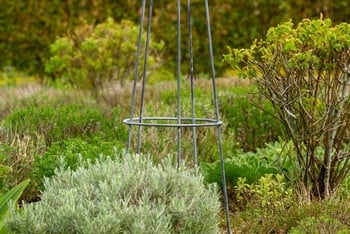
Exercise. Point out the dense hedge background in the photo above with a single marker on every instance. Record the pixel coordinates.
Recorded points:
(28, 27)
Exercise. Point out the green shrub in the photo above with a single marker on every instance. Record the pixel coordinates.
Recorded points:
(273, 159)
(31, 130)
(303, 71)
(63, 121)
(320, 225)
(250, 117)
(74, 151)
(287, 214)
(127, 195)
(96, 55)
(264, 203)
(269, 193)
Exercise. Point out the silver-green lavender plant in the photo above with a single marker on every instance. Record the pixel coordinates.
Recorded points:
(126, 195)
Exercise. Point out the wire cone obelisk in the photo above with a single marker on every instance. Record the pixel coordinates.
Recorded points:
(178, 122)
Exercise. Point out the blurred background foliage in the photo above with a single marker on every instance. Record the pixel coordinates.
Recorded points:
(39, 123)
(28, 27)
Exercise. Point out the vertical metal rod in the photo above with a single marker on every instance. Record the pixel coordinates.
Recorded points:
(178, 82)
(144, 75)
(136, 73)
(223, 177)
(194, 133)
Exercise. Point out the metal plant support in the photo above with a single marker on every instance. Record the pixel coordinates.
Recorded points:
(179, 122)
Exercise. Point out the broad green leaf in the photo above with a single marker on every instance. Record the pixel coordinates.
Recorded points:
(13, 195)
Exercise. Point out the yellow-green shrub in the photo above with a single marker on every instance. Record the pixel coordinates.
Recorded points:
(93, 55)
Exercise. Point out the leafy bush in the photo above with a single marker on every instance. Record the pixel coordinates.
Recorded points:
(250, 117)
(269, 207)
(322, 224)
(269, 192)
(287, 214)
(96, 55)
(74, 152)
(273, 159)
(127, 195)
(304, 72)
(264, 202)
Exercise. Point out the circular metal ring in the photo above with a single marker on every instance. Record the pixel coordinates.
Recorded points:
(156, 122)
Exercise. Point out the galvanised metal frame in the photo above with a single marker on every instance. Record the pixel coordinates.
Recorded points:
(178, 122)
